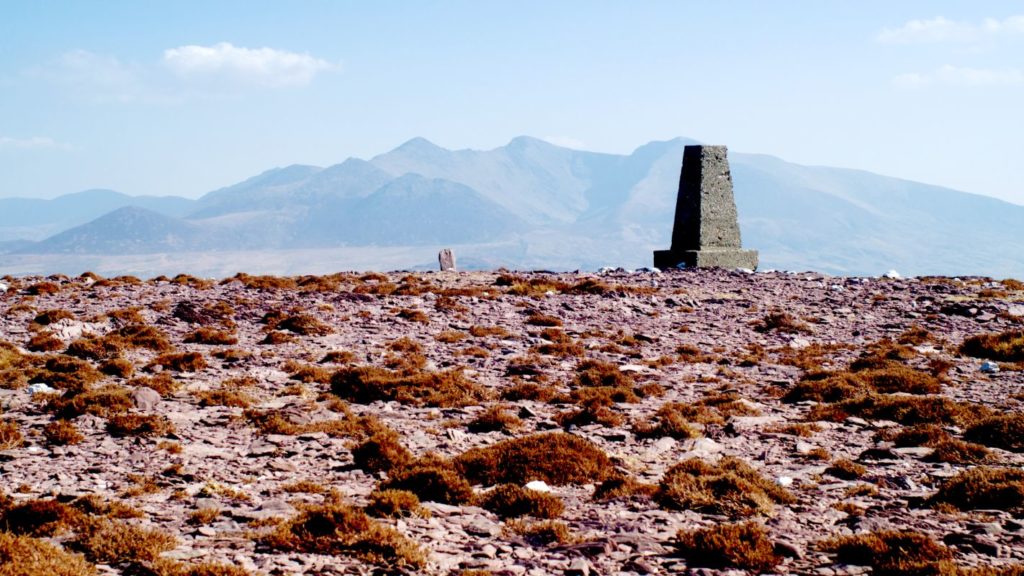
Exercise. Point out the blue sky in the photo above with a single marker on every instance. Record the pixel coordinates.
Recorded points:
(184, 97)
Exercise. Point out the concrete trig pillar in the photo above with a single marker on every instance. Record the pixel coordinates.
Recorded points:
(706, 232)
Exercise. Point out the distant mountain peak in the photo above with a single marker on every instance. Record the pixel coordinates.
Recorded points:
(419, 145)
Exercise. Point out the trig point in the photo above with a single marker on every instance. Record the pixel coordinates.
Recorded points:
(706, 232)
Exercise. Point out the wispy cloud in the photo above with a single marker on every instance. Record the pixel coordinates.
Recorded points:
(944, 30)
(33, 142)
(93, 76)
(183, 73)
(261, 66)
(960, 76)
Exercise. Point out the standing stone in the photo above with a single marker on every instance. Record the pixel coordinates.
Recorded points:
(706, 232)
(447, 259)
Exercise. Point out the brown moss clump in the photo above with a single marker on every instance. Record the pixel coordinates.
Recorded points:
(104, 402)
(528, 391)
(304, 325)
(381, 452)
(221, 397)
(542, 533)
(414, 315)
(596, 412)
(394, 504)
(66, 373)
(338, 357)
(745, 546)
(432, 479)
(676, 420)
(556, 458)
(48, 317)
(38, 518)
(1005, 431)
(139, 425)
(946, 448)
(118, 367)
(181, 361)
(846, 469)
(598, 373)
(44, 342)
(162, 383)
(780, 322)
(731, 488)
(335, 528)
(892, 553)
(539, 319)
(512, 501)
(211, 336)
(484, 331)
(140, 336)
(28, 556)
(907, 410)
(277, 422)
(495, 419)
(888, 377)
(367, 384)
(275, 338)
(1004, 346)
(42, 288)
(107, 541)
(62, 433)
(623, 488)
(10, 435)
(983, 488)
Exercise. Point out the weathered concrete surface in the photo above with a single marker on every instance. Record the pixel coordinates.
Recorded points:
(706, 231)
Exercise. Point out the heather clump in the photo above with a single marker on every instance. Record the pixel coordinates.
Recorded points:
(892, 553)
(1004, 346)
(367, 384)
(730, 487)
(341, 529)
(745, 546)
(432, 479)
(556, 458)
(983, 487)
(512, 501)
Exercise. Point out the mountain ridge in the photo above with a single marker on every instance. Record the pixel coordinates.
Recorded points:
(533, 203)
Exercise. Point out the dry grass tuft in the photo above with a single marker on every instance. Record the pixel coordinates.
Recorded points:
(118, 367)
(105, 401)
(908, 410)
(556, 458)
(983, 488)
(38, 518)
(730, 487)
(394, 504)
(780, 322)
(211, 336)
(222, 397)
(381, 452)
(542, 533)
(1005, 346)
(10, 435)
(892, 553)
(414, 315)
(846, 469)
(28, 556)
(367, 384)
(947, 448)
(335, 528)
(61, 433)
(48, 317)
(623, 488)
(304, 325)
(432, 479)
(745, 546)
(512, 501)
(528, 391)
(106, 541)
(144, 425)
(495, 419)
(539, 319)
(1005, 431)
(181, 361)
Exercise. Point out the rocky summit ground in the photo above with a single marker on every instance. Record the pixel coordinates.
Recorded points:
(697, 421)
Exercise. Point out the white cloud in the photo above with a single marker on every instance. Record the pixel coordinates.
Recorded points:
(943, 30)
(262, 66)
(960, 76)
(33, 142)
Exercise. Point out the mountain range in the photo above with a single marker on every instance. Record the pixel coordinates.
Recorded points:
(528, 204)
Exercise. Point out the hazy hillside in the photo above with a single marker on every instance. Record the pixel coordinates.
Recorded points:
(531, 204)
(36, 219)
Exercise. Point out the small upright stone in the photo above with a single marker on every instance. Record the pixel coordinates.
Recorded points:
(447, 259)
(706, 231)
